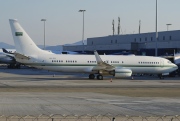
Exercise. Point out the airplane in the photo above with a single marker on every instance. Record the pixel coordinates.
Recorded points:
(177, 58)
(28, 53)
(177, 62)
(7, 57)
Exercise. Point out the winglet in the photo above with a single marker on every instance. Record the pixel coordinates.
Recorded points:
(102, 65)
(98, 58)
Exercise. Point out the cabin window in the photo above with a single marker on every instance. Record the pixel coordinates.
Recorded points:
(170, 37)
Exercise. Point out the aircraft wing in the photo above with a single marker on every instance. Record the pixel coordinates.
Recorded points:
(21, 56)
(102, 65)
(9, 55)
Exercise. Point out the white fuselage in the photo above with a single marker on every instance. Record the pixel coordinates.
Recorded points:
(85, 63)
(120, 66)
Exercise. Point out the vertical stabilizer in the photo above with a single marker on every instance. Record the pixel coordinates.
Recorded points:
(23, 43)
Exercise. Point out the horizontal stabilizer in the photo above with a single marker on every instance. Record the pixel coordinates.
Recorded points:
(20, 56)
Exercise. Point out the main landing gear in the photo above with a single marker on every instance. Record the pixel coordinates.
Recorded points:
(13, 66)
(99, 76)
(91, 76)
(160, 76)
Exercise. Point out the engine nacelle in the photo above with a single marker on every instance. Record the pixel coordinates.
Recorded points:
(122, 73)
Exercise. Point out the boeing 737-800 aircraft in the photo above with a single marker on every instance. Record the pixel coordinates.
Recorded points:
(7, 57)
(118, 66)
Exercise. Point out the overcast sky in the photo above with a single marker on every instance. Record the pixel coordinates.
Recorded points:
(64, 22)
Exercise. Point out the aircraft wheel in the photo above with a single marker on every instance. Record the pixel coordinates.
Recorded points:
(99, 77)
(160, 76)
(18, 66)
(91, 76)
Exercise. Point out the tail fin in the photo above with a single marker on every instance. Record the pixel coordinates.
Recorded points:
(4, 50)
(23, 43)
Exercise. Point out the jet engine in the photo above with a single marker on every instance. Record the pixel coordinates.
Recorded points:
(122, 73)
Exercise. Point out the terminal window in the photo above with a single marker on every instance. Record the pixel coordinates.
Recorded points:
(163, 37)
(170, 37)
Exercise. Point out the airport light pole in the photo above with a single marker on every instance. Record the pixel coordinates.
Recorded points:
(83, 28)
(44, 31)
(156, 49)
(168, 26)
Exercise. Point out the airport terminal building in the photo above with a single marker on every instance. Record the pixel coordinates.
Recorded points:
(139, 44)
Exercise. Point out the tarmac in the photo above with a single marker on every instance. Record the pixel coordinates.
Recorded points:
(30, 91)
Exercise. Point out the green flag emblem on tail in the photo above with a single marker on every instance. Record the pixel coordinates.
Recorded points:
(19, 34)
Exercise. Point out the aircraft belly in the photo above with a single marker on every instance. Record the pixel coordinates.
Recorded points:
(85, 69)
(7, 61)
(149, 70)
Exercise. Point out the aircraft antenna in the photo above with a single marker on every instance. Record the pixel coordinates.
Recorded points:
(139, 26)
(119, 26)
(113, 26)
